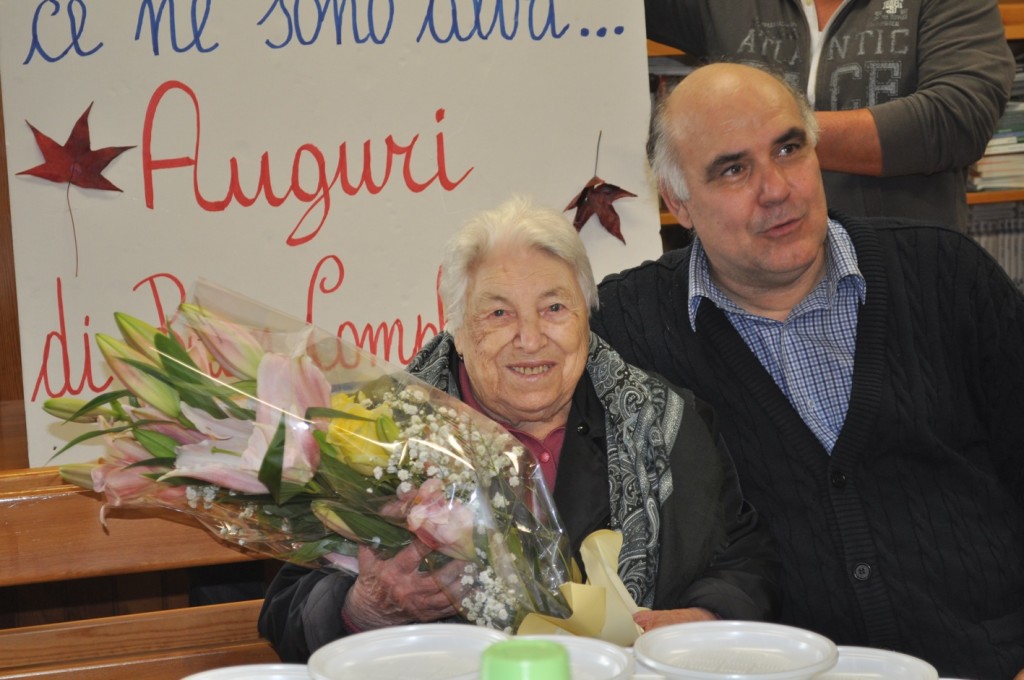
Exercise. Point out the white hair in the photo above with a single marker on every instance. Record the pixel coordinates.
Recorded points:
(517, 222)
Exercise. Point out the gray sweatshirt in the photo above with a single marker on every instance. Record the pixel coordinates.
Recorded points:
(935, 74)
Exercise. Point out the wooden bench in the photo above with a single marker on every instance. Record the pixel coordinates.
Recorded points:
(50, 533)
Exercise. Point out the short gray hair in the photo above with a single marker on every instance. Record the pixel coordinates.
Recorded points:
(664, 156)
(516, 222)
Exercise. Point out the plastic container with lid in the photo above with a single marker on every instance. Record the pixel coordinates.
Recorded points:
(525, 659)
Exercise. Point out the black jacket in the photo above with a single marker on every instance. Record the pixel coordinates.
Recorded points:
(714, 551)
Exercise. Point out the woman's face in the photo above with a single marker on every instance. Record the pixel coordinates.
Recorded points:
(524, 338)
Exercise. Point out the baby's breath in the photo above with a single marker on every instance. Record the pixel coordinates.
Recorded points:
(458, 448)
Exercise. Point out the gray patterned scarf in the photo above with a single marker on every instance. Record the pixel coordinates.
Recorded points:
(642, 419)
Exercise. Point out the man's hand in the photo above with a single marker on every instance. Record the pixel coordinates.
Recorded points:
(649, 620)
(395, 591)
(1019, 676)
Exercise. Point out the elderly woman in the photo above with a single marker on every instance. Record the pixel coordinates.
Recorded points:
(620, 448)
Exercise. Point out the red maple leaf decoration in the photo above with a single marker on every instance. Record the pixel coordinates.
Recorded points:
(75, 163)
(596, 198)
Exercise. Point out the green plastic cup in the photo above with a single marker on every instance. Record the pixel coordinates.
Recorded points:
(521, 659)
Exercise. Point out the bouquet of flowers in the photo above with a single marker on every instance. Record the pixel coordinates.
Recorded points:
(284, 440)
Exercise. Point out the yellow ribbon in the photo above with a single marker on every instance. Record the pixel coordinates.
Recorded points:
(601, 608)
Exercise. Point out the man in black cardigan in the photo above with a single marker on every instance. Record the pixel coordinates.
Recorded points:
(868, 376)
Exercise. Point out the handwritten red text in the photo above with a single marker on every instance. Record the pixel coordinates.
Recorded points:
(352, 175)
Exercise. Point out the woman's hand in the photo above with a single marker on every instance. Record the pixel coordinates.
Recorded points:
(649, 620)
(394, 591)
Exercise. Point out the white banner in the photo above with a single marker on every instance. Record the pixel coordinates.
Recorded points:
(313, 154)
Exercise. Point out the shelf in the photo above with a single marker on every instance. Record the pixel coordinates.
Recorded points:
(1013, 19)
(979, 197)
(656, 49)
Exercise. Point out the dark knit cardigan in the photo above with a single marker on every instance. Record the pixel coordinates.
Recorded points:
(910, 536)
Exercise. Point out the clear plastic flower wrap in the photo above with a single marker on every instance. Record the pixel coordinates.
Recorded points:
(281, 438)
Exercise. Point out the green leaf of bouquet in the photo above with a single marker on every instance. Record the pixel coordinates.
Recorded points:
(345, 481)
(86, 436)
(97, 401)
(324, 412)
(176, 360)
(149, 369)
(387, 430)
(433, 561)
(289, 490)
(311, 552)
(272, 468)
(160, 445)
(376, 389)
(295, 510)
(198, 398)
(159, 463)
(197, 389)
(368, 529)
(235, 410)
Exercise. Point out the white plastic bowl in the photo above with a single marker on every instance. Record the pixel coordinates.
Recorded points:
(263, 671)
(735, 650)
(434, 651)
(592, 659)
(862, 663)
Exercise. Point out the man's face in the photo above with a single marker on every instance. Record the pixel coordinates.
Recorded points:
(756, 197)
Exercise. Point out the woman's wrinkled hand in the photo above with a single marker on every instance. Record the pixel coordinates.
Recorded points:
(649, 620)
(396, 591)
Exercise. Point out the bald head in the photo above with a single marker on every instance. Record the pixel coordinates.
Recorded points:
(716, 95)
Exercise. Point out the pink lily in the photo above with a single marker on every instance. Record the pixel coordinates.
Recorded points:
(216, 457)
(197, 352)
(233, 346)
(231, 434)
(224, 469)
(156, 393)
(285, 388)
(170, 428)
(122, 484)
(441, 524)
(125, 450)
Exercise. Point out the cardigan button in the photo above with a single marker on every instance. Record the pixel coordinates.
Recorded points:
(838, 479)
(862, 572)
(582, 428)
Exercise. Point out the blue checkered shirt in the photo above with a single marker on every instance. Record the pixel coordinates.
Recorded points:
(810, 354)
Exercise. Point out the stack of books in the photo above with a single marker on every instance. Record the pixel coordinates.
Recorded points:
(1002, 166)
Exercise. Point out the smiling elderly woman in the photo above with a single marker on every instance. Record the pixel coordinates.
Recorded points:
(620, 448)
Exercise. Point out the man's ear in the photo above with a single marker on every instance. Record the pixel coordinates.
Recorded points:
(676, 207)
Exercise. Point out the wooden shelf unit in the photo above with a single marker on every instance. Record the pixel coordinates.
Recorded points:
(1013, 19)
(1013, 22)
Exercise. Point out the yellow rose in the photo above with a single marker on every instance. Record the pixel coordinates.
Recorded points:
(363, 436)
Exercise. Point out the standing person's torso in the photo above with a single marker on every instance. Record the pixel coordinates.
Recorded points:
(867, 55)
